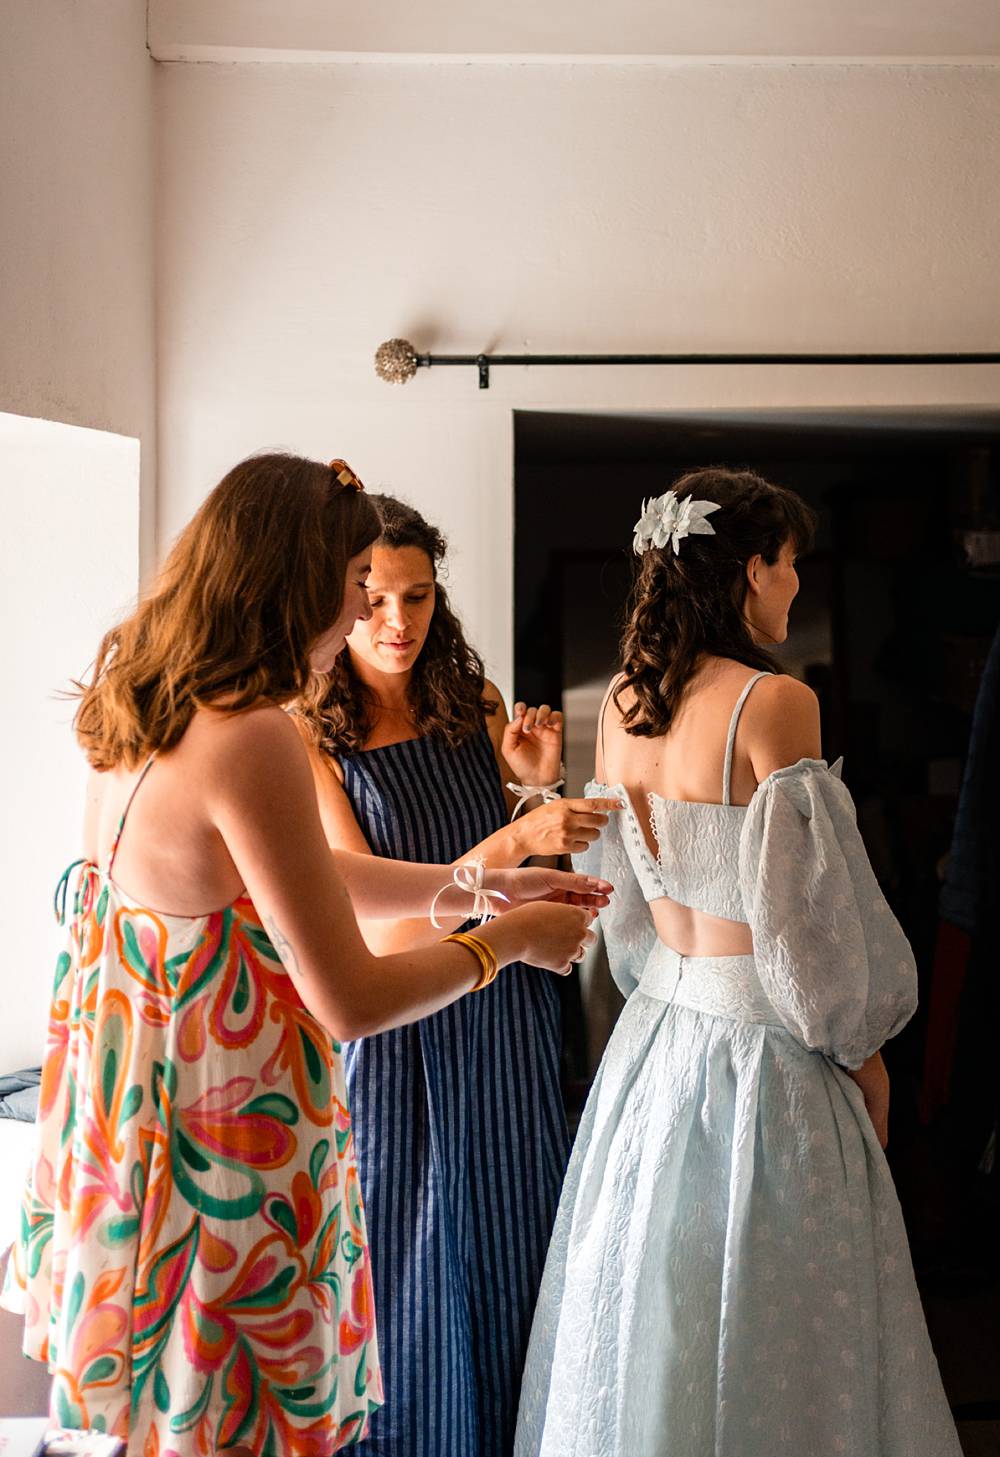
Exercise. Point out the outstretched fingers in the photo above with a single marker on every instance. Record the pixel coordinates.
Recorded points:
(527, 720)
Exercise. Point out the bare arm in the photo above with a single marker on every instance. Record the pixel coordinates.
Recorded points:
(561, 827)
(265, 809)
(565, 826)
(344, 837)
(496, 726)
(507, 847)
(381, 890)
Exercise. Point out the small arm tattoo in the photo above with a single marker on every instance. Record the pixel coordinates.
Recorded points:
(284, 947)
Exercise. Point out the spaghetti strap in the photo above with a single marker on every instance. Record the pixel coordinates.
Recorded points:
(600, 725)
(731, 740)
(121, 823)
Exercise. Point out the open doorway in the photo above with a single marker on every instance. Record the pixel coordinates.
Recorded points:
(898, 611)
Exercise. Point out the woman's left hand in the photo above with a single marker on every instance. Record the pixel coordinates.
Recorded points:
(532, 744)
(538, 883)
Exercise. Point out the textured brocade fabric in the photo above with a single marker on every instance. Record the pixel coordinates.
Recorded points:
(729, 1273)
(699, 854)
(193, 1264)
(831, 954)
(629, 934)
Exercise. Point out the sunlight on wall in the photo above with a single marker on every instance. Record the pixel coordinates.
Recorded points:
(69, 565)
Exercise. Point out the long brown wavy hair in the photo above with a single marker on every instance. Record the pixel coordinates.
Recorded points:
(445, 692)
(253, 580)
(684, 606)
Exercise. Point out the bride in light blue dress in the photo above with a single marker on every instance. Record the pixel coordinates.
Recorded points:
(729, 1274)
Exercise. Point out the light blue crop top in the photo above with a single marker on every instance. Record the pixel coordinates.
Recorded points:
(830, 956)
(698, 860)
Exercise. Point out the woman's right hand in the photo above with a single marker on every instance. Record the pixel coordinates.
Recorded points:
(563, 826)
(553, 936)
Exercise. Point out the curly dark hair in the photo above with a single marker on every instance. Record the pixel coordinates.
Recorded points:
(686, 605)
(445, 691)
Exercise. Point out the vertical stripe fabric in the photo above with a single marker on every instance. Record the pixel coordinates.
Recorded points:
(460, 1138)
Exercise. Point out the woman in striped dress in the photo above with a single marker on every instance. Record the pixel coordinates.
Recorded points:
(459, 1126)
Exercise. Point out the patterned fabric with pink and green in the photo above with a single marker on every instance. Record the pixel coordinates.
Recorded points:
(193, 1264)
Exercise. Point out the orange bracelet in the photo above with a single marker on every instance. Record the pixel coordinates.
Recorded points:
(484, 954)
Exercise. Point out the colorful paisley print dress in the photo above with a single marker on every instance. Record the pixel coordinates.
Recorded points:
(193, 1264)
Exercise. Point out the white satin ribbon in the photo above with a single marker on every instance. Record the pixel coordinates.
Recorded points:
(471, 878)
(524, 792)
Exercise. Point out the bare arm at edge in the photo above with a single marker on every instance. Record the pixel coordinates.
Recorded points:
(264, 807)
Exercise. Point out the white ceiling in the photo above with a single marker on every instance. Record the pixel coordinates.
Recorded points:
(875, 30)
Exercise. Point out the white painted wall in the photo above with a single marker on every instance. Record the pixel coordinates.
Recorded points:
(76, 218)
(309, 212)
(67, 573)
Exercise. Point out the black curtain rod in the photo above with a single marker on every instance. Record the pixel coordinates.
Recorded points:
(397, 360)
(484, 361)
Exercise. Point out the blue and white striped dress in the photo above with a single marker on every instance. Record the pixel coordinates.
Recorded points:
(460, 1136)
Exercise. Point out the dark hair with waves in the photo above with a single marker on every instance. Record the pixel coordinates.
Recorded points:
(445, 691)
(684, 606)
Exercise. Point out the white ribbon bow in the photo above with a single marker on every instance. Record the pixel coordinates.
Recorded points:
(524, 792)
(471, 877)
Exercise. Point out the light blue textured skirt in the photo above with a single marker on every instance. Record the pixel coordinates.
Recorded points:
(729, 1274)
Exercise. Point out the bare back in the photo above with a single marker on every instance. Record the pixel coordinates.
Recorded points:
(778, 724)
(172, 856)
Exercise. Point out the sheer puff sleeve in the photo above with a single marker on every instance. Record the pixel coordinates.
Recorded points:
(626, 923)
(830, 954)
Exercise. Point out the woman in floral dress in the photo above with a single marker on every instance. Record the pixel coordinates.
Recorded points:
(193, 1262)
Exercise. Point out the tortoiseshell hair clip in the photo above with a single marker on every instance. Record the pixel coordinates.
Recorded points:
(345, 475)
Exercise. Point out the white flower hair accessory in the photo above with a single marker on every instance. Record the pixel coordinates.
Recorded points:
(668, 518)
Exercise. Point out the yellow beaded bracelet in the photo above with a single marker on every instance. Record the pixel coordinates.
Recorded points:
(484, 954)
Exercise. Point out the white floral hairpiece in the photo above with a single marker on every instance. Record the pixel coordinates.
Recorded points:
(668, 518)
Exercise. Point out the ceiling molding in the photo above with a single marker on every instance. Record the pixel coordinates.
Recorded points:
(714, 32)
(228, 55)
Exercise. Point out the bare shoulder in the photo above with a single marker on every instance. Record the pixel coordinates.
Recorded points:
(609, 723)
(492, 694)
(496, 719)
(618, 699)
(779, 695)
(267, 725)
(781, 724)
(326, 767)
(260, 745)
